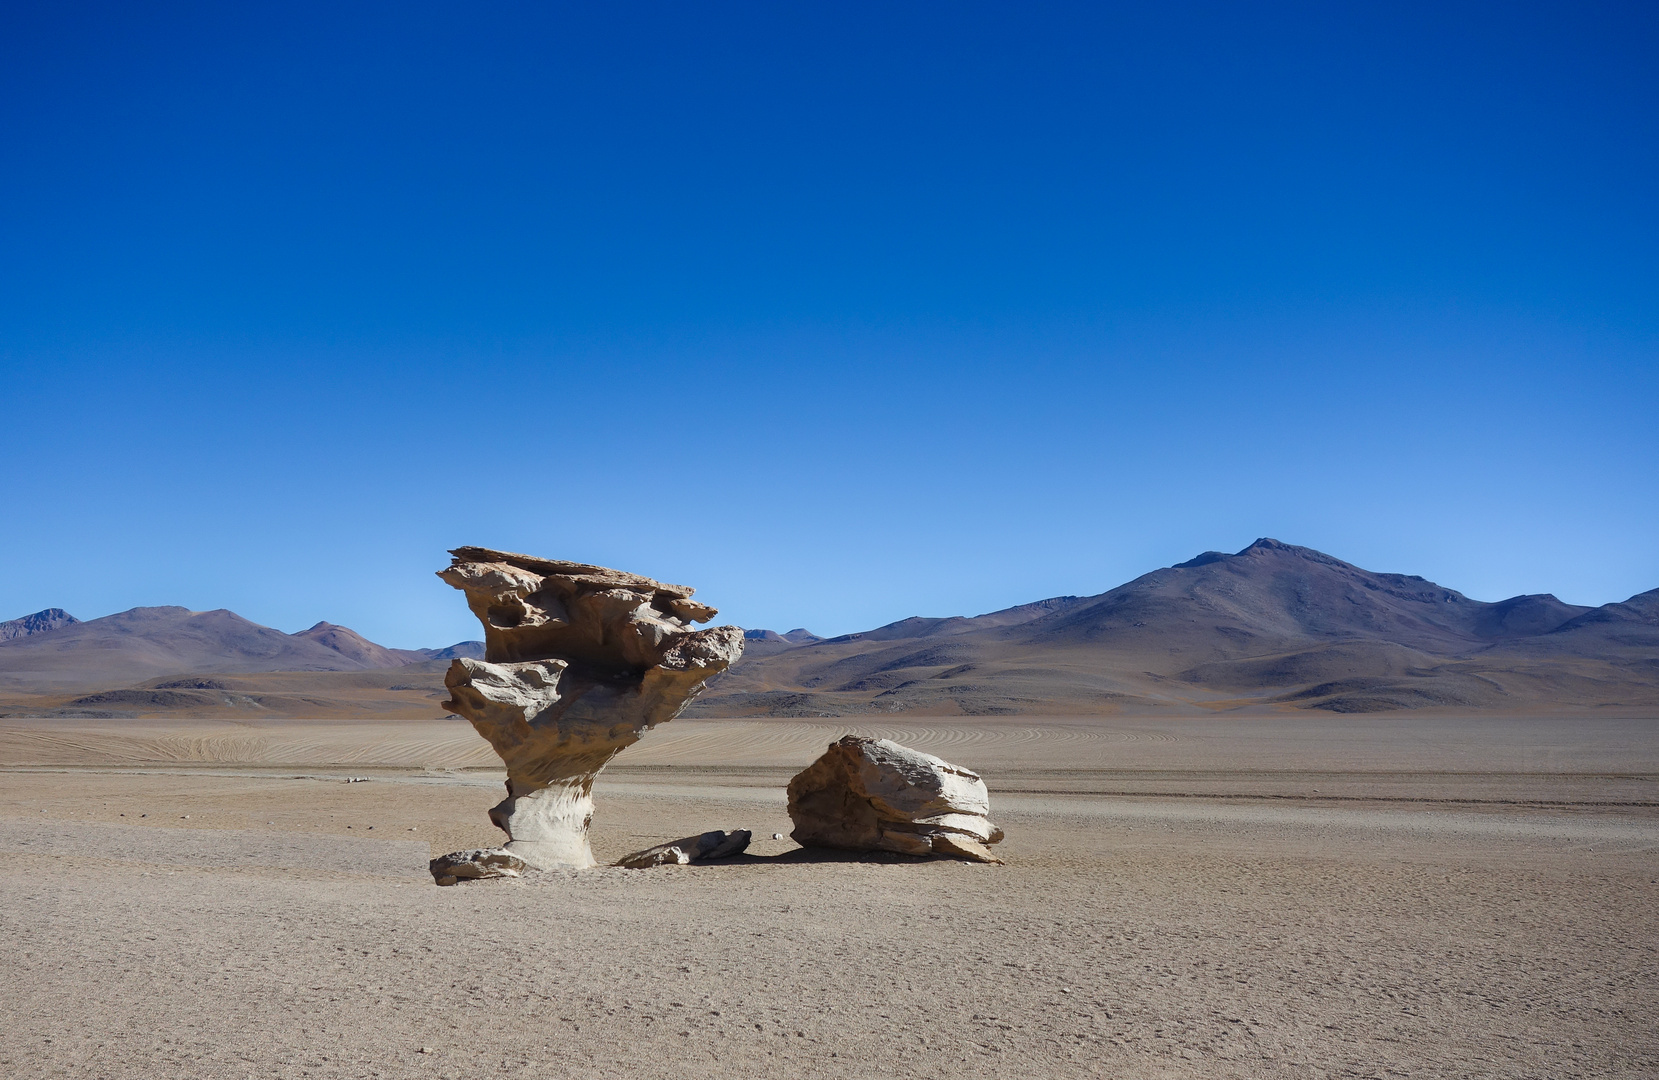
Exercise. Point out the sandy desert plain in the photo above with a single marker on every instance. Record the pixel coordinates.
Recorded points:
(1278, 894)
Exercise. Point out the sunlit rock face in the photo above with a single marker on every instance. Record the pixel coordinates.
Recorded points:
(579, 663)
(875, 795)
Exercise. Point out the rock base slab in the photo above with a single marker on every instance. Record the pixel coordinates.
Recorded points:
(704, 848)
(451, 869)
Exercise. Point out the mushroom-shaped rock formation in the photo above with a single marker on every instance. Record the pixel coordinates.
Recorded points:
(875, 795)
(579, 662)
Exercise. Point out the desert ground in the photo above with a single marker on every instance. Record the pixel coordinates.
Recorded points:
(1269, 896)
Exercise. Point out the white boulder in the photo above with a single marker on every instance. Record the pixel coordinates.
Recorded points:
(875, 795)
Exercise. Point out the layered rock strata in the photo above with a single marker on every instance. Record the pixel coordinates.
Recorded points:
(875, 795)
(580, 661)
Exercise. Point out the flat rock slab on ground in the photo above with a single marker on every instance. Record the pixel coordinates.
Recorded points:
(475, 864)
(705, 847)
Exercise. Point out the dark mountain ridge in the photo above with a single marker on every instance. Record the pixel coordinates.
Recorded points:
(1274, 624)
(1275, 593)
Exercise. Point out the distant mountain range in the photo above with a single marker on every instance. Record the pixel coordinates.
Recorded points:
(770, 642)
(1274, 625)
(53, 652)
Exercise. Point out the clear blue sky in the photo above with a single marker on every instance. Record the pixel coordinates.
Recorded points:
(840, 314)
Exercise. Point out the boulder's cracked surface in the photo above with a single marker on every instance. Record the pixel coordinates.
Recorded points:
(875, 795)
(580, 661)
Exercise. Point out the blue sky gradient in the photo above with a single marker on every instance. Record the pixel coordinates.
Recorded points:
(839, 315)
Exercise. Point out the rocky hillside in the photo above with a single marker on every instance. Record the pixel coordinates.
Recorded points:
(40, 622)
(1274, 625)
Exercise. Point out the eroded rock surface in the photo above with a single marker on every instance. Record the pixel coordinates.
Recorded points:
(704, 848)
(875, 795)
(580, 661)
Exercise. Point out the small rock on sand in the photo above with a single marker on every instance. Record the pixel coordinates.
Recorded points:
(704, 848)
(478, 863)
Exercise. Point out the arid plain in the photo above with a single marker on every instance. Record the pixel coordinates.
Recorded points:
(1277, 894)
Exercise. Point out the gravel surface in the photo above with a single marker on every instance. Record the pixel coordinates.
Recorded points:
(1126, 937)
